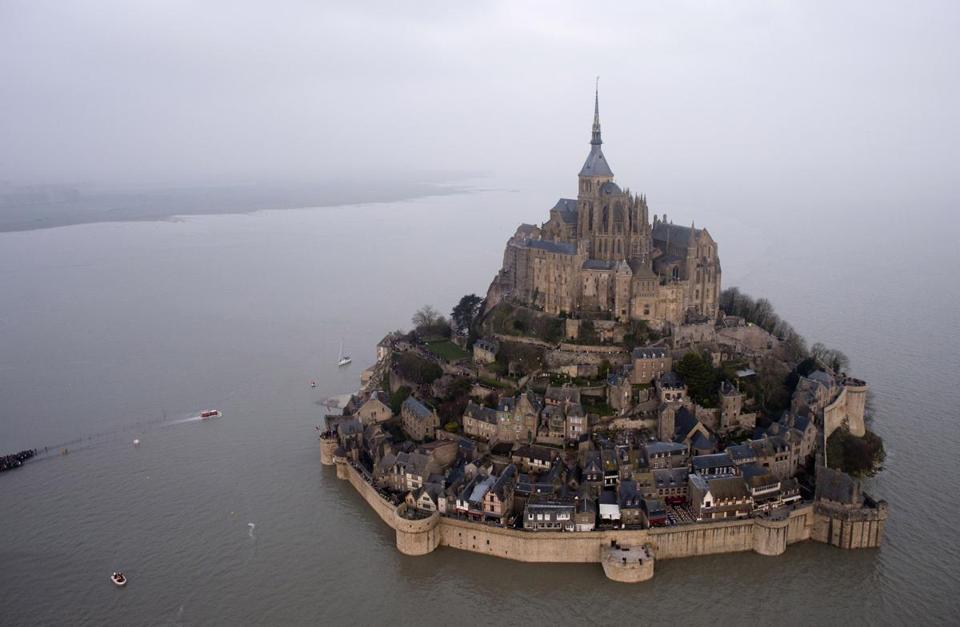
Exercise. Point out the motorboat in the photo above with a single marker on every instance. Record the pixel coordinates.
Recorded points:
(118, 579)
(210, 413)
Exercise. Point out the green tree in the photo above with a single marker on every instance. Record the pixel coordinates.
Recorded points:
(396, 399)
(860, 457)
(700, 377)
(464, 315)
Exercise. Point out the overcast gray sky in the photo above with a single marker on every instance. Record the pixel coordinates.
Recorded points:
(800, 94)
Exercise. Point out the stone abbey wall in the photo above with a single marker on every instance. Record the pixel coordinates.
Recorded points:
(766, 536)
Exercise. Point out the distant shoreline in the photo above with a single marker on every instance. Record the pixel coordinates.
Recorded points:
(36, 208)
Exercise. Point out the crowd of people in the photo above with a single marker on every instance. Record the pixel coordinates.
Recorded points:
(8, 462)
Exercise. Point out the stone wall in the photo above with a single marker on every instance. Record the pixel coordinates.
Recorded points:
(857, 528)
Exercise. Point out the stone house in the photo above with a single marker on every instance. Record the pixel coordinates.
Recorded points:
(498, 500)
(480, 422)
(714, 465)
(419, 421)
(611, 467)
(666, 455)
(470, 499)
(649, 363)
(671, 485)
(553, 425)
(534, 459)
(631, 503)
(426, 498)
(485, 350)
(778, 454)
(585, 514)
(376, 409)
(549, 514)
(767, 491)
(517, 418)
(671, 388)
(620, 392)
(719, 498)
(655, 512)
(557, 396)
(575, 421)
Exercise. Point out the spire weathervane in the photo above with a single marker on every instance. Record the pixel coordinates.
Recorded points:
(595, 140)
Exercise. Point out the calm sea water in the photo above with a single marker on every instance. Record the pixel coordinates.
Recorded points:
(110, 332)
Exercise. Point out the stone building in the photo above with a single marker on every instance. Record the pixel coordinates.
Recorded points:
(600, 254)
(485, 350)
(649, 364)
(419, 421)
(376, 409)
(835, 401)
(480, 422)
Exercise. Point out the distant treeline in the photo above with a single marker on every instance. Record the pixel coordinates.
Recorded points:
(761, 313)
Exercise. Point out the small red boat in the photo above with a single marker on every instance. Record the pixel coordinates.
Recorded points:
(210, 413)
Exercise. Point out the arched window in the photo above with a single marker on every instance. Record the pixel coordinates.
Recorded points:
(590, 215)
(606, 219)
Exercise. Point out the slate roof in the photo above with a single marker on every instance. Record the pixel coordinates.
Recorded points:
(479, 412)
(567, 208)
(560, 394)
(505, 479)
(597, 264)
(417, 408)
(685, 422)
(670, 477)
(702, 442)
(596, 164)
(671, 380)
(561, 248)
(487, 344)
(678, 235)
(741, 452)
(610, 188)
(716, 460)
(660, 448)
(651, 352)
(837, 486)
(728, 488)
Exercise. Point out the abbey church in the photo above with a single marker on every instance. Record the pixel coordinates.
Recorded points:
(599, 254)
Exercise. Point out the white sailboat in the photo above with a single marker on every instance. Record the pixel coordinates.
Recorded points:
(343, 360)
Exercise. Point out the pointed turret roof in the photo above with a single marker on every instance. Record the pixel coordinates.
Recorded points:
(596, 164)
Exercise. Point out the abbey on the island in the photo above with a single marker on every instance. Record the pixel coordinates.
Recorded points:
(600, 254)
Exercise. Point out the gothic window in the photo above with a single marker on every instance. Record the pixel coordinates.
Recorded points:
(676, 273)
(590, 214)
(606, 219)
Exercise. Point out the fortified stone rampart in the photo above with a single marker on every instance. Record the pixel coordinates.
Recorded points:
(853, 528)
(765, 536)
(418, 535)
(328, 445)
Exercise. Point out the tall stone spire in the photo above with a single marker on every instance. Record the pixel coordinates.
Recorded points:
(596, 165)
(595, 140)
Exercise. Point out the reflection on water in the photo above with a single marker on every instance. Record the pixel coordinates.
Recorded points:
(110, 332)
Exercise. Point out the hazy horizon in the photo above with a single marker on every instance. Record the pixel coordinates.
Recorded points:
(749, 102)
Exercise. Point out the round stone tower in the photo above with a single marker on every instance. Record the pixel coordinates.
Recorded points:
(770, 534)
(418, 533)
(328, 445)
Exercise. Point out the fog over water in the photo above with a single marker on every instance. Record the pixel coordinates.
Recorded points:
(817, 143)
